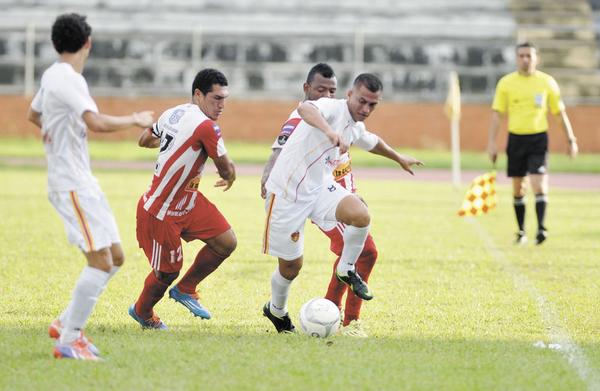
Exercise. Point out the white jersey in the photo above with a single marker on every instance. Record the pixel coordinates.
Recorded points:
(308, 158)
(62, 99)
(342, 173)
(187, 138)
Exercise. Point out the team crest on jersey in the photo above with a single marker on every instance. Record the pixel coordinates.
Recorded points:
(295, 236)
(217, 130)
(176, 116)
(287, 129)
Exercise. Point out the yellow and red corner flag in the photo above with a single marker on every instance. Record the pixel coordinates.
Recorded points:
(481, 196)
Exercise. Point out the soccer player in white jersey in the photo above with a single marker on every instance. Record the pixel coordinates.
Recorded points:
(321, 82)
(64, 110)
(300, 186)
(173, 208)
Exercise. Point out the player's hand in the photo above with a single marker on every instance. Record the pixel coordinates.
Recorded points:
(337, 141)
(492, 151)
(407, 162)
(144, 119)
(263, 191)
(573, 149)
(226, 183)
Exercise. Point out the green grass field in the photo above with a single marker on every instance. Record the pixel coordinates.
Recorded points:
(454, 310)
(258, 153)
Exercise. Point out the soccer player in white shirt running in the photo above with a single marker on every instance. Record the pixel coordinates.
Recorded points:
(64, 110)
(173, 208)
(301, 186)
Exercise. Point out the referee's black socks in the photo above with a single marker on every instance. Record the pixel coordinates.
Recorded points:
(519, 204)
(541, 200)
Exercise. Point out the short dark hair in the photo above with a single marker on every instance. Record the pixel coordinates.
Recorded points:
(370, 81)
(322, 69)
(70, 32)
(206, 78)
(525, 44)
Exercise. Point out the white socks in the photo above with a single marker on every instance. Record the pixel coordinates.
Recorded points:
(354, 241)
(90, 284)
(280, 288)
(63, 316)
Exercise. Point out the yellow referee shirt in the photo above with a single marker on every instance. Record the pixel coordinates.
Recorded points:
(526, 100)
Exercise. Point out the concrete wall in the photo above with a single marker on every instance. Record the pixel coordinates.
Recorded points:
(404, 125)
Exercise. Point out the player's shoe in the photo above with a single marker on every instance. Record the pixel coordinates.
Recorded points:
(354, 329)
(283, 324)
(521, 239)
(541, 237)
(190, 302)
(77, 350)
(55, 329)
(153, 323)
(358, 286)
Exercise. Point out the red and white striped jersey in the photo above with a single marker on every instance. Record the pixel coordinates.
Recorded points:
(187, 138)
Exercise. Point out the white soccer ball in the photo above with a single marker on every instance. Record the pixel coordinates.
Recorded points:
(319, 318)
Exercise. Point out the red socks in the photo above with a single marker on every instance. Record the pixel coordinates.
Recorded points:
(207, 261)
(153, 291)
(336, 289)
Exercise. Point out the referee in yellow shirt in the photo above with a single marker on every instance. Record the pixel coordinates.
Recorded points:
(525, 96)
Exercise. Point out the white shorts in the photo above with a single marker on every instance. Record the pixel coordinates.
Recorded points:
(89, 222)
(284, 228)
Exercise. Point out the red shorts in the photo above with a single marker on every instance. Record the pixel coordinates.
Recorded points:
(336, 238)
(161, 239)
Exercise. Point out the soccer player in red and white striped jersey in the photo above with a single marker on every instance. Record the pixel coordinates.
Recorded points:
(173, 208)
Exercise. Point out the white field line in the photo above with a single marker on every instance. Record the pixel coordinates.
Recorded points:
(574, 355)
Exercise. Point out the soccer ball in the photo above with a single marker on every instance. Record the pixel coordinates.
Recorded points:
(319, 318)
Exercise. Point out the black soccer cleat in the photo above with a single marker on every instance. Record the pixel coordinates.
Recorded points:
(541, 237)
(521, 239)
(358, 286)
(283, 324)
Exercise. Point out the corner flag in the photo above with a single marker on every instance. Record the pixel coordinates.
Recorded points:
(452, 110)
(481, 196)
(452, 105)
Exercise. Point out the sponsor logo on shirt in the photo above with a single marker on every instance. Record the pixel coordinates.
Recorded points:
(295, 236)
(342, 170)
(176, 116)
(539, 100)
(287, 129)
(192, 185)
(217, 130)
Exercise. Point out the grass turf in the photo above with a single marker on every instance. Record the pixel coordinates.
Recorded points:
(258, 153)
(446, 315)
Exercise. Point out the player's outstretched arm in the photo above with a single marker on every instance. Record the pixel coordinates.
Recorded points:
(312, 116)
(35, 117)
(405, 161)
(148, 140)
(267, 171)
(226, 171)
(103, 123)
(566, 125)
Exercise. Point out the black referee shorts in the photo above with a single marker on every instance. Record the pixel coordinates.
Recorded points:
(527, 154)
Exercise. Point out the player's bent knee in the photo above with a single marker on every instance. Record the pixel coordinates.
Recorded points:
(166, 278)
(101, 259)
(224, 244)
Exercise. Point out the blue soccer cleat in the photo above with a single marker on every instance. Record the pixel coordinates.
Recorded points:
(153, 323)
(190, 302)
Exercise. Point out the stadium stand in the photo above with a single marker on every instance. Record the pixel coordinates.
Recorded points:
(148, 47)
